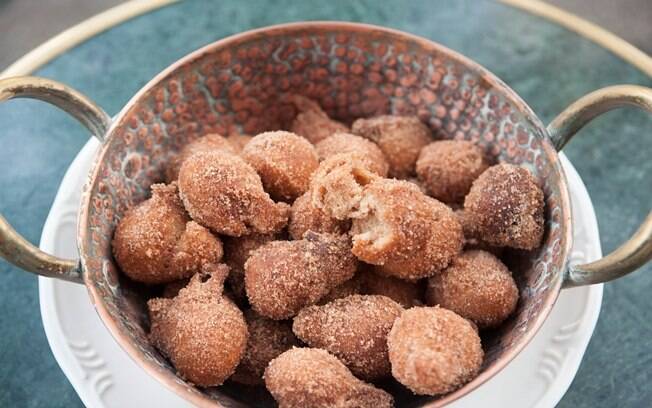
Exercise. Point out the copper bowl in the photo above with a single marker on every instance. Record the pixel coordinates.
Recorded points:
(353, 70)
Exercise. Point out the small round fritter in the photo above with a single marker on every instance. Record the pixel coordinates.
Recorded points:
(347, 143)
(447, 168)
(267, 340)
(201, 331)
(239, 141)
(400, 138)
(282, 277)
(306, 217)
(354, 329)
(433, 350)
(284, 161)
(236, 253)
(336, 186)
(222, 192)
(308, 377)
(471, 240)
(505, 205)
(205, 143)
(476, 286)
(155, 241)
(404, 232)
(405, 293)
(312, 122)
(353, 286)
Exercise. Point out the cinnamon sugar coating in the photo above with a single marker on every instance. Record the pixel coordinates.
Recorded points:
(354, 329)
(400, 138)
(306, 217)
(210, 142)
(267, 340)
(336, 186)
(309, 377)
(156, 242)
(223, 193)
(447, 168)
(406, 233)
(403, 292)
(433, 350)
(236, 252)
(477, 286)
(284, 161)
(312, 122)
(201, 331)
(347, 143)
(505, 206)
(282, 277)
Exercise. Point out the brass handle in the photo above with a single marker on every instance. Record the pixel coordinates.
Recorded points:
(13, 247)
(636, 251)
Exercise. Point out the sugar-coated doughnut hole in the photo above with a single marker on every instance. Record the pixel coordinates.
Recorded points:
(312, 122)
(447, 168)
(346, 143)
(284, 161)
(209, 142)
(433, 350)
(505, 206)
(400, 138)
(306, 217)
(236, 252)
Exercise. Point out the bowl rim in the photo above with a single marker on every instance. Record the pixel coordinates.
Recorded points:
(191, 394)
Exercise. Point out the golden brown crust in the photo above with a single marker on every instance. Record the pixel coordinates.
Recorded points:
(336, 186)
(346, 143)
(151, 242)
(202, 332)
(236, 252)
(306, 217)
(308, 377)
(477, 286)
(505, 206)
(447, 168)
(400, 138)
(353, 286)
(312, 122)
(267, 340)
(471, 240)
(222, 192)
(433, 350)
(282, 277)
(406, 233)
(205, 143)
(403, 292)
(354, 329)
(284, 161)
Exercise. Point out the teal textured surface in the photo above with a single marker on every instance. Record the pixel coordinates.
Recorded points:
(548, 65)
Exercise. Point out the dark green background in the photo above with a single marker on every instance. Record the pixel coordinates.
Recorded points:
(548, 65)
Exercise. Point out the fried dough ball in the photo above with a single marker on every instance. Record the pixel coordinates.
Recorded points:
(353, 286)
(155, 241)
(201, 331)
(336, 186)
(346, 143)
(406, 233)
(282, 277)
(447, 168)
(304, 216)
(312, 122)
(477, 286)
(222, 192)
(471, 240)
(400, 138)
(405, 293)
(239, 141)
(433, 350)
(505, 205)
(205, 143)
(236, 252)
(354, 329)
(309, 377)
(284, 161)
(267, 340)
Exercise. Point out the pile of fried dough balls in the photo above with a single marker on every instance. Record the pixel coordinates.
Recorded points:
(320, 261)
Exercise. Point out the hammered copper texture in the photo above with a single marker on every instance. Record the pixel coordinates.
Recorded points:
(239, 85)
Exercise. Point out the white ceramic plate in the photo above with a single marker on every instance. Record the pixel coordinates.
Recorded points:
(104, 376)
